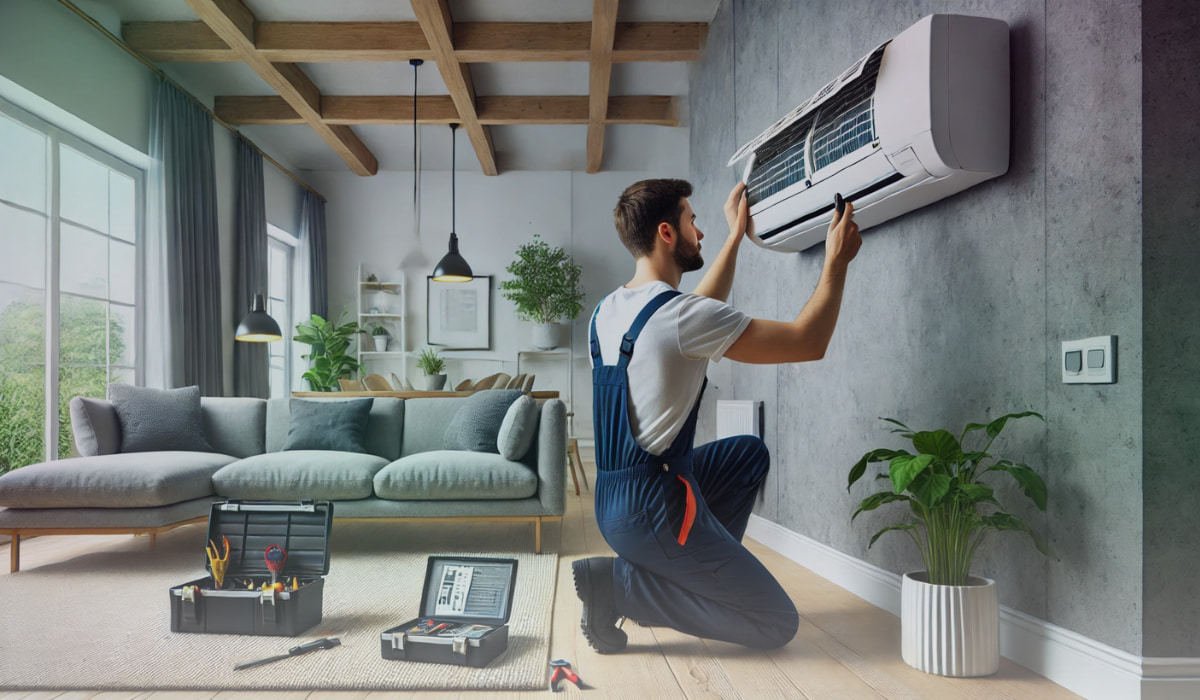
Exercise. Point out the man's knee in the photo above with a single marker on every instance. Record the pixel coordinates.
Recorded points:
(780, 630)
(755, 453)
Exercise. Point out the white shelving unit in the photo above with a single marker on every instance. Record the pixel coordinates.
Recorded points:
(382, 303)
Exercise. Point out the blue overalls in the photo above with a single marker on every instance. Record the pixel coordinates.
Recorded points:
(676, 520)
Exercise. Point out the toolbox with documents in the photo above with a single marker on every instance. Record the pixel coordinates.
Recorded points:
(247, 603)
(465, 605)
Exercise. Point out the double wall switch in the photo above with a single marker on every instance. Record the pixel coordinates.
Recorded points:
(1090, 360)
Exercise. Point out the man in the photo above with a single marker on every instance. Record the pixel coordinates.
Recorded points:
(674, 514)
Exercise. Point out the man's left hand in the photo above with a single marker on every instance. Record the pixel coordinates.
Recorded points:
(737, 212)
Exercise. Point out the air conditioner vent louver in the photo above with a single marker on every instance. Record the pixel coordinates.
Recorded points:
(780, 162)
(847, 122)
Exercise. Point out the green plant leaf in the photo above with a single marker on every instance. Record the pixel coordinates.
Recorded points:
(875, 500)
(860, 466)
(893, 421)
(905, 468)
(1031, 484)
(994, 428)
(929, 488)
(939, 443)
(977, 493)
(1007, 521)
(890, 528)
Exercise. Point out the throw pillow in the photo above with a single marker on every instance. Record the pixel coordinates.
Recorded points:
(335, 425)
(95, 425)
(153, 420)
(518, 428)
(476, 424)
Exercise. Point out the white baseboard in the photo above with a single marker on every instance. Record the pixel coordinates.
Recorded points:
(1078, 663)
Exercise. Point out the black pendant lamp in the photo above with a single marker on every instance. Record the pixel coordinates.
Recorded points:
(258, 326)
(452, 267)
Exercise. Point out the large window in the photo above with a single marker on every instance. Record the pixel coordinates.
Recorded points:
(70, 219)
(281, 253)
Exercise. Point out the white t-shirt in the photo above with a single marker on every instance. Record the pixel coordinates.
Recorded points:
(670, 357)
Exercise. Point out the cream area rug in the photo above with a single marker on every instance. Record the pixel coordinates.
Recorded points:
(102, 620)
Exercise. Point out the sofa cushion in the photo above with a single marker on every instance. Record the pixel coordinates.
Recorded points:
(154, 420)
(340, 426)
(385, 425)
(135, 480)
(454, 475)
(95, 425)
(235, 426)
(297, 474)
(518, 429)
(477, 422)
(425, 422)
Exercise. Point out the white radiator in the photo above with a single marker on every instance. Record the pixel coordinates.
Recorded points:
(739, 418)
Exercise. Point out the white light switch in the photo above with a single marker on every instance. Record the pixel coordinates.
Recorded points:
(1090, 360)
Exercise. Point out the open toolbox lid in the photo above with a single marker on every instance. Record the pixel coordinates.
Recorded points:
(300, 527)
(469, 589)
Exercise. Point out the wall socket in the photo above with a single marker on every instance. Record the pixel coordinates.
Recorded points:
(1089, 360)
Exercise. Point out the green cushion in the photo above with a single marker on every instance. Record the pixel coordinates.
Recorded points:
(477, 422)
(340, 426)
(298, 474)
(518, 429)
(455, 475)
(134, 480)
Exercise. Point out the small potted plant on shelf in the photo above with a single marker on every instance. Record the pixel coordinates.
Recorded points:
(379, 335)
(434, 367)
(949, 619)
(545, 290)
(329, 359)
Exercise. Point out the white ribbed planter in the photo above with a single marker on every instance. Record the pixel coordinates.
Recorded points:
(950, 630)
(547, 336)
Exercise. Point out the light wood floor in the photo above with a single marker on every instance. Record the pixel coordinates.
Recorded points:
(845, 648)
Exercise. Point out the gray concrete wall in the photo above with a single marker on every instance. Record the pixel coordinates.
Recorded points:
(954, 313)
(1171, 334)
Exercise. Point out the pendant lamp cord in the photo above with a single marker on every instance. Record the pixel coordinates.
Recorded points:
(453, 168)
(416, 146)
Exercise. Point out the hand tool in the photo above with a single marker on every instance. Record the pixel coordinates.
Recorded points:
(276, 557)
(839, 203)
(326, 643)
(562, 669)
(295, 584)
(219, 563)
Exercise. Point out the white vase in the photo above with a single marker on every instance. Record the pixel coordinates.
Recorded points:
(547, 336)
(950, 630)
(381, 342)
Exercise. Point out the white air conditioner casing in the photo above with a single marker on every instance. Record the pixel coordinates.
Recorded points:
(919, 118)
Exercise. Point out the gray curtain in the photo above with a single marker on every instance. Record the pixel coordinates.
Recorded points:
(312, 231)
(184, 310)
(250, 361)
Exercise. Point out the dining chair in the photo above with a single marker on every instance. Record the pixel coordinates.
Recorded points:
(349, 384)
(376, 382)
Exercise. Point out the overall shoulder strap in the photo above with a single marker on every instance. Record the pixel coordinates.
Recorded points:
(593, 339)
(639, 323)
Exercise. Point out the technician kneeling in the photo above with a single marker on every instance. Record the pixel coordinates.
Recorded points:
(674, 514)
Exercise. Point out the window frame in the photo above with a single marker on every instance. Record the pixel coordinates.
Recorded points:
(56, 137)
(280, 239)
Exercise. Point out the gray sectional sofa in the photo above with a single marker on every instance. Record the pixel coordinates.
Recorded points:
(405, 473)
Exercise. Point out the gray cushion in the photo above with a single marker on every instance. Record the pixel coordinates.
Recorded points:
(425, 422)
(340, 426)
(297, 474)
(235, 426)
(477, 422)
(95, 425)
(454, 475)
(385, 425)
(159, 419)
(137, 480)
(518, 428)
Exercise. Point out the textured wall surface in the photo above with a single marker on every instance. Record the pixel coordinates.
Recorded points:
(954, 313)
(1171, 335)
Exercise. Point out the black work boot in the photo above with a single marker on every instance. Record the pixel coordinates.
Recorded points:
(594, 586)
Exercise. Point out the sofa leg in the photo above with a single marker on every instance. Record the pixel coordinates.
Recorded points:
(571, 464)
(153, 539)
(537, 536)
(14, 554)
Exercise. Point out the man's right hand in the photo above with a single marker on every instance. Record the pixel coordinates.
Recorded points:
(842, 240)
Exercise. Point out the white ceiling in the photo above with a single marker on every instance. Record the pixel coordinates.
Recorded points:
(627, 147)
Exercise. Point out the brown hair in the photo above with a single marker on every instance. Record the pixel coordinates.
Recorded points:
(645, 204)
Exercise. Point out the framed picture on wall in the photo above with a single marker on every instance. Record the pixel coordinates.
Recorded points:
(458, 315)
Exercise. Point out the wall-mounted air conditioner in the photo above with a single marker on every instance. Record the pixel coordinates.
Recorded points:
(919, 118)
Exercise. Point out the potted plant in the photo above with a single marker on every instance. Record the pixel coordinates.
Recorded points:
(434, 367)
(328, 359)
(379, 335)
(949, 619)
(545, 290)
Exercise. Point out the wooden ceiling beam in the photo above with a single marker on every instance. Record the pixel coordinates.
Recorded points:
(604, 27)
(234, 24)
(438, 27)
(474, 42)
(439, 109)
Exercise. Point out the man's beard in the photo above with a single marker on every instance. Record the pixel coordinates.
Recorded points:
(687, 256)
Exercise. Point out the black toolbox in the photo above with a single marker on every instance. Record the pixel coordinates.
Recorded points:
(465, 604)
(301, 528)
